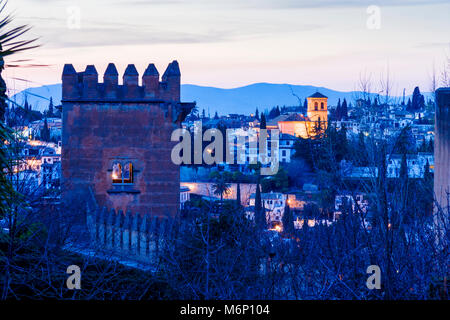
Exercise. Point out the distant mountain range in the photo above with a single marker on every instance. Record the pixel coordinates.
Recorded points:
(241, 100)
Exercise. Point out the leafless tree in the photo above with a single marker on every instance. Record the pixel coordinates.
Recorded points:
(386, 85)
(445, 73)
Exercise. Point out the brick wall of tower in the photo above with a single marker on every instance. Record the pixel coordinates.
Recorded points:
(442, 146)
(107, 123)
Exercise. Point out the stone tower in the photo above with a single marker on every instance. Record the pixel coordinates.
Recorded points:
(318, 109)
(116, 138)
(442, 149)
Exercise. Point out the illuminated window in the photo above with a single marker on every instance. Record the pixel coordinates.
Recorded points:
(117, 173)
(122, 173)
(127, 173)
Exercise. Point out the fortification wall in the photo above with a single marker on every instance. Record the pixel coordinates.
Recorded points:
(128, 235)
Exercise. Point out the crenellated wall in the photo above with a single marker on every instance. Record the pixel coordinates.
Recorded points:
(129, 235)
(105, 124)
(84, 86)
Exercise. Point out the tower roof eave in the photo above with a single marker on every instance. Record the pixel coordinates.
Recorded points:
(317, 95)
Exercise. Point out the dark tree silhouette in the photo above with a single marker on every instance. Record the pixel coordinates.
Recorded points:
(260, 218)
(344, 113)
(238, 195)
(263, 121)
(288, 220)
(404, 168)
(418, 100)
(50, 108)
(339, 111)
(45, 132)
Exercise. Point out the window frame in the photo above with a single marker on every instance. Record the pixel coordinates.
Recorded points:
(122, 163)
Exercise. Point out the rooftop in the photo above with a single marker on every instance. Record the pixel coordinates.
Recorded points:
(266, 196)
(286, 117)
(317, 95)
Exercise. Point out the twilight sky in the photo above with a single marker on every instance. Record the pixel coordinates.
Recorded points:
(230, 43)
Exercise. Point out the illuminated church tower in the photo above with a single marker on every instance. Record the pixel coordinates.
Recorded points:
(318, 110)
(314, 123)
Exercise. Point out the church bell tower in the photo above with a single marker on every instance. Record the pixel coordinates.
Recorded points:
(318, 110)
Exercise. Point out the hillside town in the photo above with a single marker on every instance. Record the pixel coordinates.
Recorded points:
(356, 123)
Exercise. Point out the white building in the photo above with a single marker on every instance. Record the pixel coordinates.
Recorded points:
(54, 125)
(273, 203)
(415, 162)
(352, 127)
(39, 166)
(184, 196)
(356, 202)
(287, 147)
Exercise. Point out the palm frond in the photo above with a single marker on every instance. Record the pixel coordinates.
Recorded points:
(10, 43)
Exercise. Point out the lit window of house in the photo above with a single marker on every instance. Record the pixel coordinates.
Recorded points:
(122, 173)
(127, 173)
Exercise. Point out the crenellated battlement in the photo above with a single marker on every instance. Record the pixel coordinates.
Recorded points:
(84, 86)
(136, 237)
